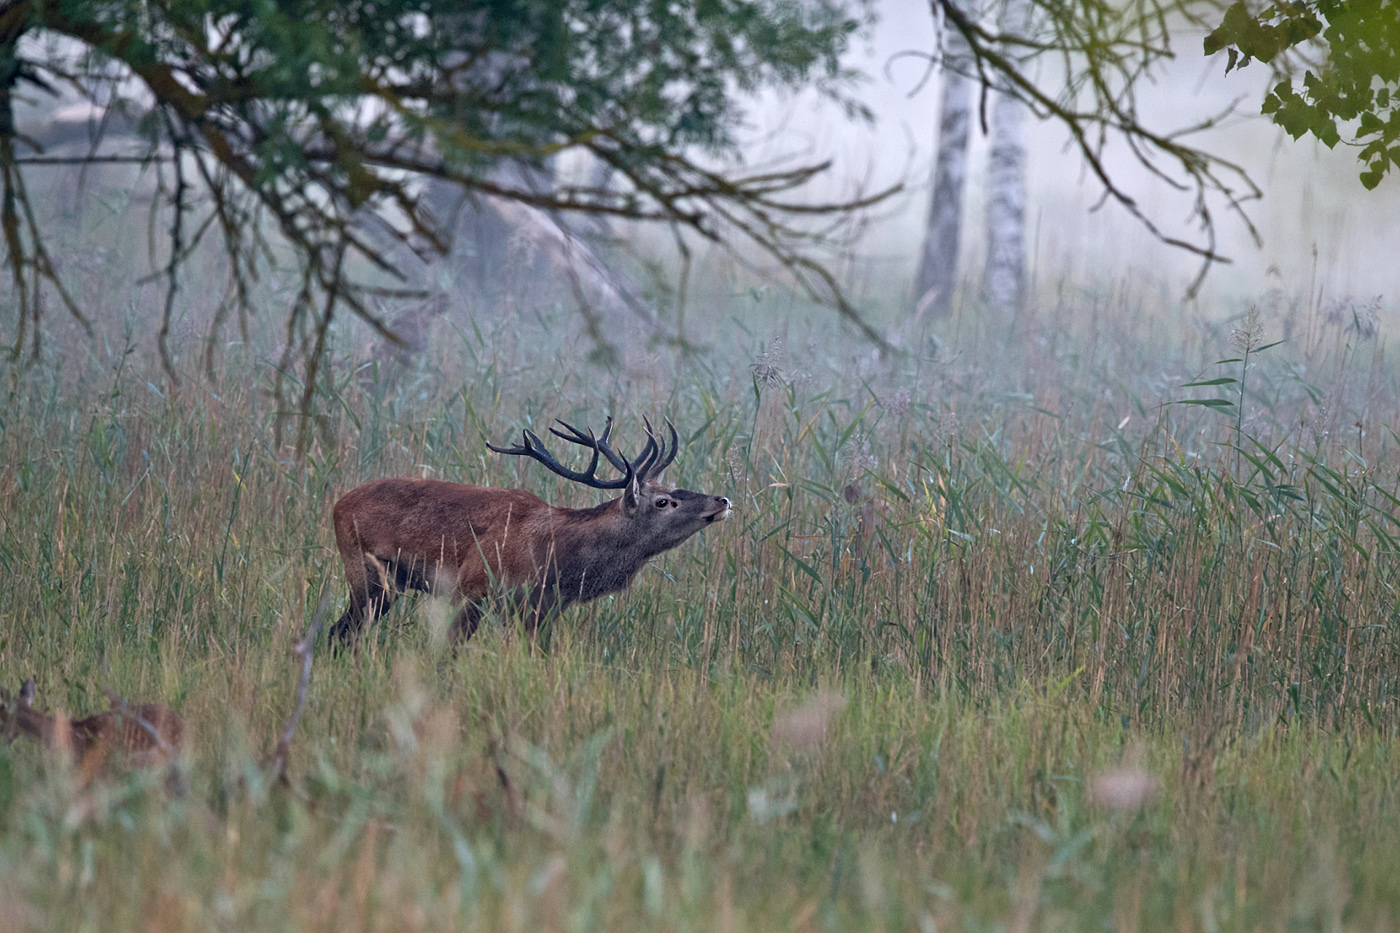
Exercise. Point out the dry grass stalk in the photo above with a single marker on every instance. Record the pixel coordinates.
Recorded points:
(807, 726)
(277, 761)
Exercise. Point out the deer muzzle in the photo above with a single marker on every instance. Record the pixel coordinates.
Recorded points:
(721, 512)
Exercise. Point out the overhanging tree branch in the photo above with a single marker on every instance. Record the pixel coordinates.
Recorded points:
(312, 114)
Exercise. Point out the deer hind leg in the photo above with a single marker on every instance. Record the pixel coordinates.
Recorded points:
(373, 590)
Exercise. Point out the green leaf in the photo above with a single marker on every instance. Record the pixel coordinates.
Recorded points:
(802, 564)
(1222, 381)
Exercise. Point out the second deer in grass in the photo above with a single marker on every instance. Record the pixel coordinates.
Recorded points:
(463, 541)
(137, 736)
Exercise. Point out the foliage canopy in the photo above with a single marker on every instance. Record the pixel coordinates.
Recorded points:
(312, 123)
(1334, 61)
(319, 114)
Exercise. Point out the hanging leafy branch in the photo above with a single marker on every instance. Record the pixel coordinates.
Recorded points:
(1334, 62)
(293, 124)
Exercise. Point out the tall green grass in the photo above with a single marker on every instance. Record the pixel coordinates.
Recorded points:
(967, 591)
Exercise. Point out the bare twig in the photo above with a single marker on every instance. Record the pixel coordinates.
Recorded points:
(277, 762)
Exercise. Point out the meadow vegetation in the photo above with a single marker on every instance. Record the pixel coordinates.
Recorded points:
(1003, 634)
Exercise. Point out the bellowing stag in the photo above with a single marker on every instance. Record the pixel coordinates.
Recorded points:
(468, 542)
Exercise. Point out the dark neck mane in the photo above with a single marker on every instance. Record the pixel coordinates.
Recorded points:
(593, 553)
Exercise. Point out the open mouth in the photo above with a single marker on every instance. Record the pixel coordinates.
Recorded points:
(718, 515)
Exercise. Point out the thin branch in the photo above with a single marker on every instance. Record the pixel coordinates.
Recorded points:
(91, 160)
(172, 267)
(277, 762)
(310, 161)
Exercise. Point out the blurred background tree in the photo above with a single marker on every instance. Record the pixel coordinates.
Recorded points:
(1336, 75)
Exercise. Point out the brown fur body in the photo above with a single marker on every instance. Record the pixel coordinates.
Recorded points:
(136, 735)
(464, 541)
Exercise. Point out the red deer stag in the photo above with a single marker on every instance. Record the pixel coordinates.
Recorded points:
(139, 736)
(464, 541)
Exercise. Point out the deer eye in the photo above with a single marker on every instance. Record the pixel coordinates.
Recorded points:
(662, 502)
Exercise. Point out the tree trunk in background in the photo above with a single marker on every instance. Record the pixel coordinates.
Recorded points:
(503, 249)
(1004, 277)
(938, 264)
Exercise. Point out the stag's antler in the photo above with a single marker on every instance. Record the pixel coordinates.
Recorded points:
(534, 448)
(663, 459)
(646, 467)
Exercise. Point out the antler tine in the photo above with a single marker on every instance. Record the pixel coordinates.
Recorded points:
(616, 459)
(534, 448)
(576, 436)
(648, 455)
(525, 449)
(664, 458)
(659, 458)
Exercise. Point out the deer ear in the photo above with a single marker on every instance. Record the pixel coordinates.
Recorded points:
(632, 497)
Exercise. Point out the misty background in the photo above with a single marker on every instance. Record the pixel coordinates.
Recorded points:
(1312, 202)
(1325, 240)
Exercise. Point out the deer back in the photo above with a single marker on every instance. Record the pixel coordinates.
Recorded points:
(435, 522)
(141, 735)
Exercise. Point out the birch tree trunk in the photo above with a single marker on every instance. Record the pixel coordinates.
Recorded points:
(1004, 276)
(938, 263)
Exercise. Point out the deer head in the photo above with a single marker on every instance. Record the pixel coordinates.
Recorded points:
(658, 515)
